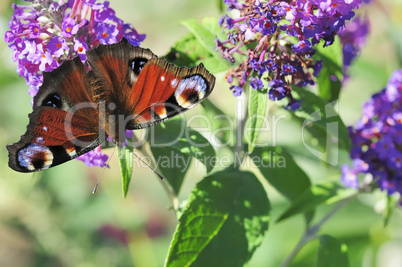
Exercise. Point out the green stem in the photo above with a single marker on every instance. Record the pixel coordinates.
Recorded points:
(241, 116)
(311, 232)
(146, 151)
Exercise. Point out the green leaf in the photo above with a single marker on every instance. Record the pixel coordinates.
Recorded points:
(212, 24)
(330, 78)
(332, 253)
(327, 193)
(281, 171)
(125, 155)
(173, 164)
(389, 209)
(187, 51)
(203, 35)
(198, 46)
(214, 65)
(206, 35)
(220, 6)
(222, 124)
(176, 135)
(320, 119)
(249, 219)
(257, 108)
(228, 207)
(207, 209)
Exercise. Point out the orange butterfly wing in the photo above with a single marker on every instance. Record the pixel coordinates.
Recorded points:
(66, 120)
(59, 129)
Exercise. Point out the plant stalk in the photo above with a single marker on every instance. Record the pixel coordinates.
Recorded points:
(311, 232)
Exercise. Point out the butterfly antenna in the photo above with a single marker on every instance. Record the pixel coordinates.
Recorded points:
(103, 171)
(160, 176)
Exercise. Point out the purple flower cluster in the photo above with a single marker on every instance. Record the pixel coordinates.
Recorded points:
(377, 139)
(95, 158)
(44, 33)
(278, 39)
(353, 38)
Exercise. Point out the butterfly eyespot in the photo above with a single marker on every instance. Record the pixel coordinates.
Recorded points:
(35, 157)
(190, 91)
(193, 96)
(52, 100)
(137, 64)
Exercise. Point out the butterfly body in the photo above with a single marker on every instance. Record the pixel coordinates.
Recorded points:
(119, 87)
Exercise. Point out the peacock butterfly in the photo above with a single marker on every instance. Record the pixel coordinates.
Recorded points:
(119, 87)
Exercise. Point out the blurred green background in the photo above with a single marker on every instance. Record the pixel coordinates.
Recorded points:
(52, 219)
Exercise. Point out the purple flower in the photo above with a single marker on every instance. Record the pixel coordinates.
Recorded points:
(396, 133)
(311, 31)
(35, 30)
(349, 177)
(303, 46)
(256, 83)
(237, 90)
(288, 69)
(230, 22)
(289, 29)
(9, 36)
(47, 62)
(384, 147)
(106, 33)
(277, 91)
(95, 158)
(81, 49)
(266, 26)
(293, 105)
(259, 67)
(317, 67)
(106, 14)
(376, 139)
(34, 81)
(394, 87)
(395, 160)
(29, 50)
(260, 31)
(247, 30)
(57, 46)
(270, 65)
(306, 19)
(69, 27)
(291, 11)
(353, 37)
